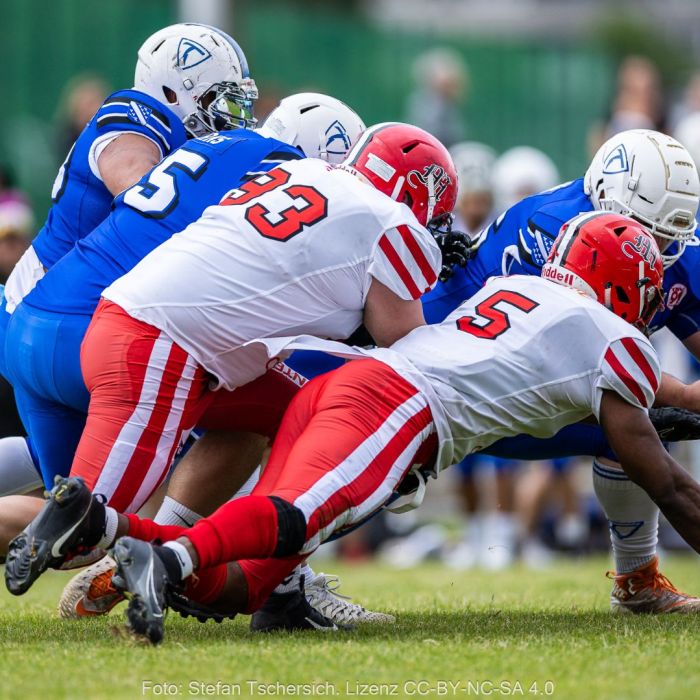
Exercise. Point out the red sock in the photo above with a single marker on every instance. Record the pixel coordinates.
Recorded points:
(242, 529)
(147, 530)
(263, 576)
(205, 585)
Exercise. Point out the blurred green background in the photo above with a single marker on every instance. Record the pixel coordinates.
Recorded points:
(544, 92)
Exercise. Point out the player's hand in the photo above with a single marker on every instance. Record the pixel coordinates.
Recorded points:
(455, 246)
(675, 424)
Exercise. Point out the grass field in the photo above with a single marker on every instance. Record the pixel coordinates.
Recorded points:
(501, 632)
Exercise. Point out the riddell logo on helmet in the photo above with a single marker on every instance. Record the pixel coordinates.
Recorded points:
(642, 246)
(556, 274)
(441, 180)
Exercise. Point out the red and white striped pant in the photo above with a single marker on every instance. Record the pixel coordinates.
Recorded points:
(345, 443)
(146, 395)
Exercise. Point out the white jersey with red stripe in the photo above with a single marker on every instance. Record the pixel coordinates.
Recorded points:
(522, 356)
(292, 251)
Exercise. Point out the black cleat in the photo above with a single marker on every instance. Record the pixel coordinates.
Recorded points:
(70, 521)
(186, 607)
(289, 612)
(142, 577)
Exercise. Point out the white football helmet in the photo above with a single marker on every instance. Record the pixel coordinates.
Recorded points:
(201, 73)
(474, 162)
(650, 177)
(320, 125)
(520, 172)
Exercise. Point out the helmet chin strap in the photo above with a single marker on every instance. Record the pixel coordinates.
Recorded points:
(432, 201)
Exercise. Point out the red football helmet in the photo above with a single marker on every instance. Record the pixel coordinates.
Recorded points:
(613, 259)
(410, 166)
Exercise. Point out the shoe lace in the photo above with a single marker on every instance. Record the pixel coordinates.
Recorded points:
(655, 580)
(101, 585)
(325, 598)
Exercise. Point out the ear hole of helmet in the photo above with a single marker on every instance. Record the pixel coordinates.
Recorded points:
(407, 199)
(170, 95)
(622, 295)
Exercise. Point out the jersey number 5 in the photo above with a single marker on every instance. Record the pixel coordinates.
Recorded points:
(497, 321)
(307, 207)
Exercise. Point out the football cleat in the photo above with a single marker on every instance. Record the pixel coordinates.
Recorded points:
(647, 590)
(290, 612)
(70, 520)
(144, 580)
(321, 592)
(90, 592)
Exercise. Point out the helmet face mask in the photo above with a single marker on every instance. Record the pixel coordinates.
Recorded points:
(224, 106)
(201, 74)
(651, 178)
(613, 259)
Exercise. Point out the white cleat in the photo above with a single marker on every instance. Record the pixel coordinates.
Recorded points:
(90, 592)
(321, 592)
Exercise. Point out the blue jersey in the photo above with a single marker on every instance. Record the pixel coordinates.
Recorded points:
(516, 243)
(163, 202)
(80, 199)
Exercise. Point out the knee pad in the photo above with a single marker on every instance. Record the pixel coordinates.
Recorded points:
(291, 528)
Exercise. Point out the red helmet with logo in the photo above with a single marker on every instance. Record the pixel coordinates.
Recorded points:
(613, 259)
(410, 166)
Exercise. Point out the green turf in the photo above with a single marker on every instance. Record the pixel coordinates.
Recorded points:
(519, 626)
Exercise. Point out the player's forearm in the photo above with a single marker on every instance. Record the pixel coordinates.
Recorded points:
(673, 392)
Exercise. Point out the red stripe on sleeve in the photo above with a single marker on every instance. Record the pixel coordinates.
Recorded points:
(625, 376)
(638, 356)
(393, 257)
(418, 255)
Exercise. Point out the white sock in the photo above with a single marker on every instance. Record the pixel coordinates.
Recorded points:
(171, 512)
(111, 524)
(633, 517)
(183, 558)
(18, 475)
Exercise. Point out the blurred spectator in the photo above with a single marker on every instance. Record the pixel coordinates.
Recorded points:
(638, 102)
(82, 97)
(441, 79)
(690, 104)
(688, 133)
(474, 163)
(16, 221)
(521, 172)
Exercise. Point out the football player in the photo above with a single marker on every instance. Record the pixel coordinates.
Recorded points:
(305, 247)
(52, 320)
(190, 80)
(652, 178)
(351, 437)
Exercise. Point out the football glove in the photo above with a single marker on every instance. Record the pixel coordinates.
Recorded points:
(675, 424)
(456, 247)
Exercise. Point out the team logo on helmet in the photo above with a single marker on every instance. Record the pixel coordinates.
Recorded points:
(616, 161)
(191, 54)
(441, 180)
(642, 246)
(337, 132)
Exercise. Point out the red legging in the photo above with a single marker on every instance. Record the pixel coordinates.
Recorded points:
(345, 443)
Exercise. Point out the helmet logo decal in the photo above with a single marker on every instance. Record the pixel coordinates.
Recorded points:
(441, 180)
(642, 246)
(191, 54)
(337, 132)
(676, 295)
(616, 161)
